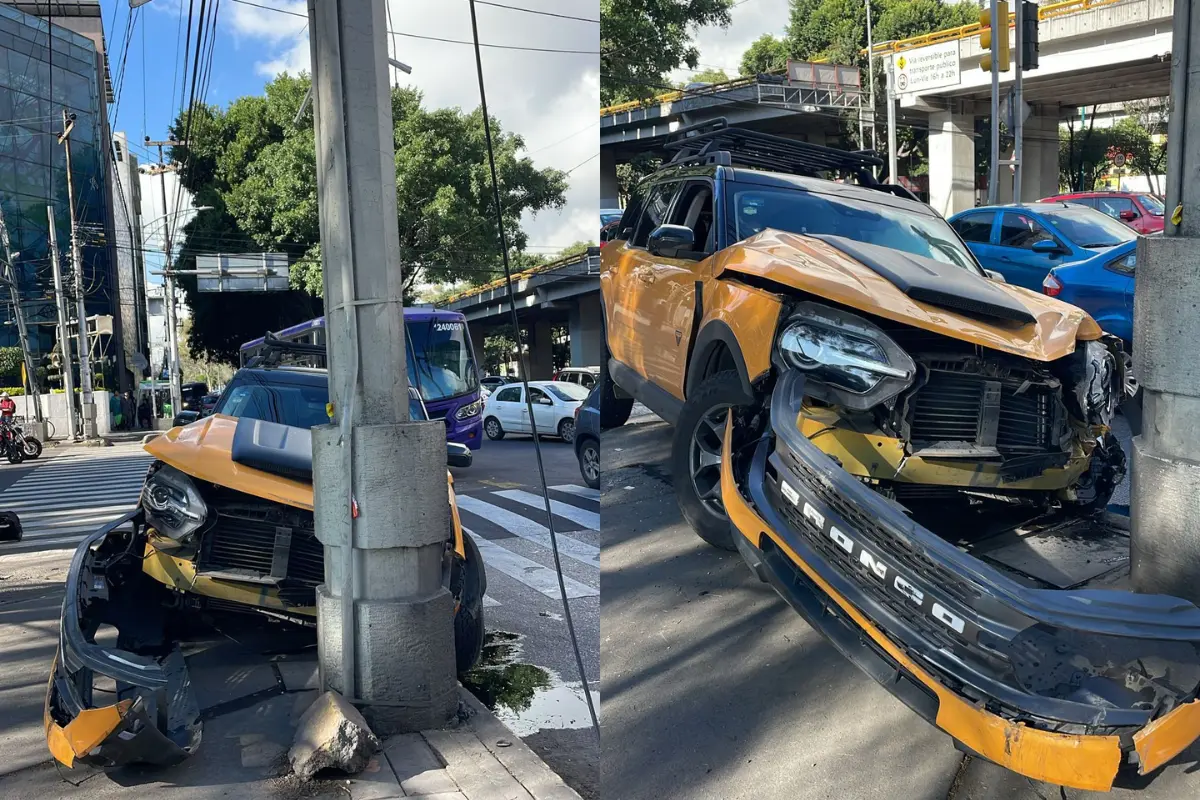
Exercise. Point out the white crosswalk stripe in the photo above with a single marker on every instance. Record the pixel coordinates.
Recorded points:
(66, 497)
(525, 528)
(585, 492)
(588, 519)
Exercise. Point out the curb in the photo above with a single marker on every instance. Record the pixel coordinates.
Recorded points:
(513, 754)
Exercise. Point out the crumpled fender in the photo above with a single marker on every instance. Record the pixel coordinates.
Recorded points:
(810, 265)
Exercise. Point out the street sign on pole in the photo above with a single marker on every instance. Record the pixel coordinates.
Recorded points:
(930, 67)
(246, 272)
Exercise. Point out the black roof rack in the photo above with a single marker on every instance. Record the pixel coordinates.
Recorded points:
(715, 142)
(275, 348)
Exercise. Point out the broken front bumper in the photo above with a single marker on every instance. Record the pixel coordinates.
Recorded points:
(133, 703)
(1062, 686)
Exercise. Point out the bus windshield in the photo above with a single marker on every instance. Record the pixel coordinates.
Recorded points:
(440, 359)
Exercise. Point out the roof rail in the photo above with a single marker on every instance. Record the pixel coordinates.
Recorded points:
(715, 142)
(274, 349)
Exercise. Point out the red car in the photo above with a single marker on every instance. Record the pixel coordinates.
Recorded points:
(1142, 212)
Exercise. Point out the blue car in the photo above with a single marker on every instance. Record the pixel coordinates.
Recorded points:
(1102, 286)
(1024, 242)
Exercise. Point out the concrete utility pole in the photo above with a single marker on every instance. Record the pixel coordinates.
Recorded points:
(64, 338)
(384, 619)
(14, 292)
(893, 160)
(87, 404)
(1165, 535)
(169, 283)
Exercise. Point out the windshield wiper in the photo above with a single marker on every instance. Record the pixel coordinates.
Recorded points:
(1102, 244)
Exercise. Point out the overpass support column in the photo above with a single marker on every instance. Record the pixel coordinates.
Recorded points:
(609, 188)
(477, 333)
(585, 332)
(952, 160)
(541, 351)
(1041, 156)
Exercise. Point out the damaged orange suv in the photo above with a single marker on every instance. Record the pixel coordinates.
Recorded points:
(878, 425)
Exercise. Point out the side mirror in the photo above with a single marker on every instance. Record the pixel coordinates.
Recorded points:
(668, 241)
(545, 401)
(1047, 247)
(458, 455)
(995, 276)
(1128, 215)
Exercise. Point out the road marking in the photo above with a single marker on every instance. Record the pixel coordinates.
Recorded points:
(588, 519)
(531, 531)
(530, 573)
(585, 492)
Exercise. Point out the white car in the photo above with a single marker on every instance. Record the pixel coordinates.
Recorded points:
(554, 404)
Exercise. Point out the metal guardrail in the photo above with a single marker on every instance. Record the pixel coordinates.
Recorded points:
(498, 283)
(1045, 12)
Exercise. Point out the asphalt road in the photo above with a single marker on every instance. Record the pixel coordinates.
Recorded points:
(714, 688)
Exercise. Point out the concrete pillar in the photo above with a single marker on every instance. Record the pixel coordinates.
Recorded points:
(586, 332)
(1041, 156)
(541, 351)
(610, 191)
(477, 333)
(385, 633)
(951, 161)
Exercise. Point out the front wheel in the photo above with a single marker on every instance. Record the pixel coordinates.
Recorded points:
(566, 430)
(468, 621)
(589, 462)
(15, 454)
(493, 429)
(696, 456)
(33, 448)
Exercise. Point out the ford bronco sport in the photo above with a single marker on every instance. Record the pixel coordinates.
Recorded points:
(864, 413)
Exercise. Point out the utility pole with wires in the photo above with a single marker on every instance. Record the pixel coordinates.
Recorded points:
(1164, 540)
(169, 280)
(87, 404)
(385, 634)
(14, 292)
(64, 337)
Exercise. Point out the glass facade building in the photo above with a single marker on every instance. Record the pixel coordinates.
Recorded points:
(45, 68)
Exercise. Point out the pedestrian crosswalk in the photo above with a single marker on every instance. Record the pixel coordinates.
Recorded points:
(66, 497)
(509, 527)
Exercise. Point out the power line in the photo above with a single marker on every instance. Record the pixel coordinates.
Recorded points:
(494, 46)
(532, 11)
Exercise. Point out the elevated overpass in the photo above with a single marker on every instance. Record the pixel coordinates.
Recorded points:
(807, 103)
(565, 292)
(1091, 52)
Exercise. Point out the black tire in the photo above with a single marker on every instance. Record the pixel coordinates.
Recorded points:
(15, 454)
(10, 527)
(493, 429)
(589, 462)
(697, 480)
(566, 430)
(468, 622)
(33, 448)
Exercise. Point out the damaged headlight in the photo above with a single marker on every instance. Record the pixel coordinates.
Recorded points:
(172, 503)
(851, 362)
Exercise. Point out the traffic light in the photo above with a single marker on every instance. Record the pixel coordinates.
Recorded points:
(1029, 34)
(1000, 47)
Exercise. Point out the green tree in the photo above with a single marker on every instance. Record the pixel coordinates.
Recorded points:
(197, 367)
(257, 167)
(642, 40)
(767, 54)
(1083, 152)
(1136, 136)
(712, 75)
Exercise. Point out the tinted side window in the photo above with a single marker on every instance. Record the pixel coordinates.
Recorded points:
(975, 227)
(1019, 230)
(1113, 206)
(695, 210)
(510, 395)
(654, 212)
(1090, 202)
(587, 380)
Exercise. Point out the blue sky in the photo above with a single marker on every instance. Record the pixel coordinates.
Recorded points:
(550, 98)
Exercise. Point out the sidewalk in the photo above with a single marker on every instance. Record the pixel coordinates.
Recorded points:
(252, 696)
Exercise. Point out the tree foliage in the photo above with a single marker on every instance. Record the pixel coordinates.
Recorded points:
(256, 165)
(767, 54)
(1083, 153)
(643, 40)
(711, 75)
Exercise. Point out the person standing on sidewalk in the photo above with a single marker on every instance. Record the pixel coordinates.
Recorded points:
(8, 406)
(114, 409)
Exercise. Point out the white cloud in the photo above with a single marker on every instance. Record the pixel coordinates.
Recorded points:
(723, 47)
(551, 99)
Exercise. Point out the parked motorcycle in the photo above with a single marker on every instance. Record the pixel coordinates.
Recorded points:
(12, 443)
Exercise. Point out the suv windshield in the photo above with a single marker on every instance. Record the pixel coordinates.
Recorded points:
(300, 405)
(440, 359)
(754, 210)
(1087, 227)
(1152, 204)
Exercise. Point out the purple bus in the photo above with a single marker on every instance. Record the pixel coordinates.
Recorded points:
(441, 364)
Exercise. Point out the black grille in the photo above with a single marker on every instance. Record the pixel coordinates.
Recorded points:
(950, 408)
(913, 561)
(244, 534)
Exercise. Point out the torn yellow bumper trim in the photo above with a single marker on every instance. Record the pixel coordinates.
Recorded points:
(84, 733)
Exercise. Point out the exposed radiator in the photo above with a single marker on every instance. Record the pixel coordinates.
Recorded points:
(985, 411)
(264, 541)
